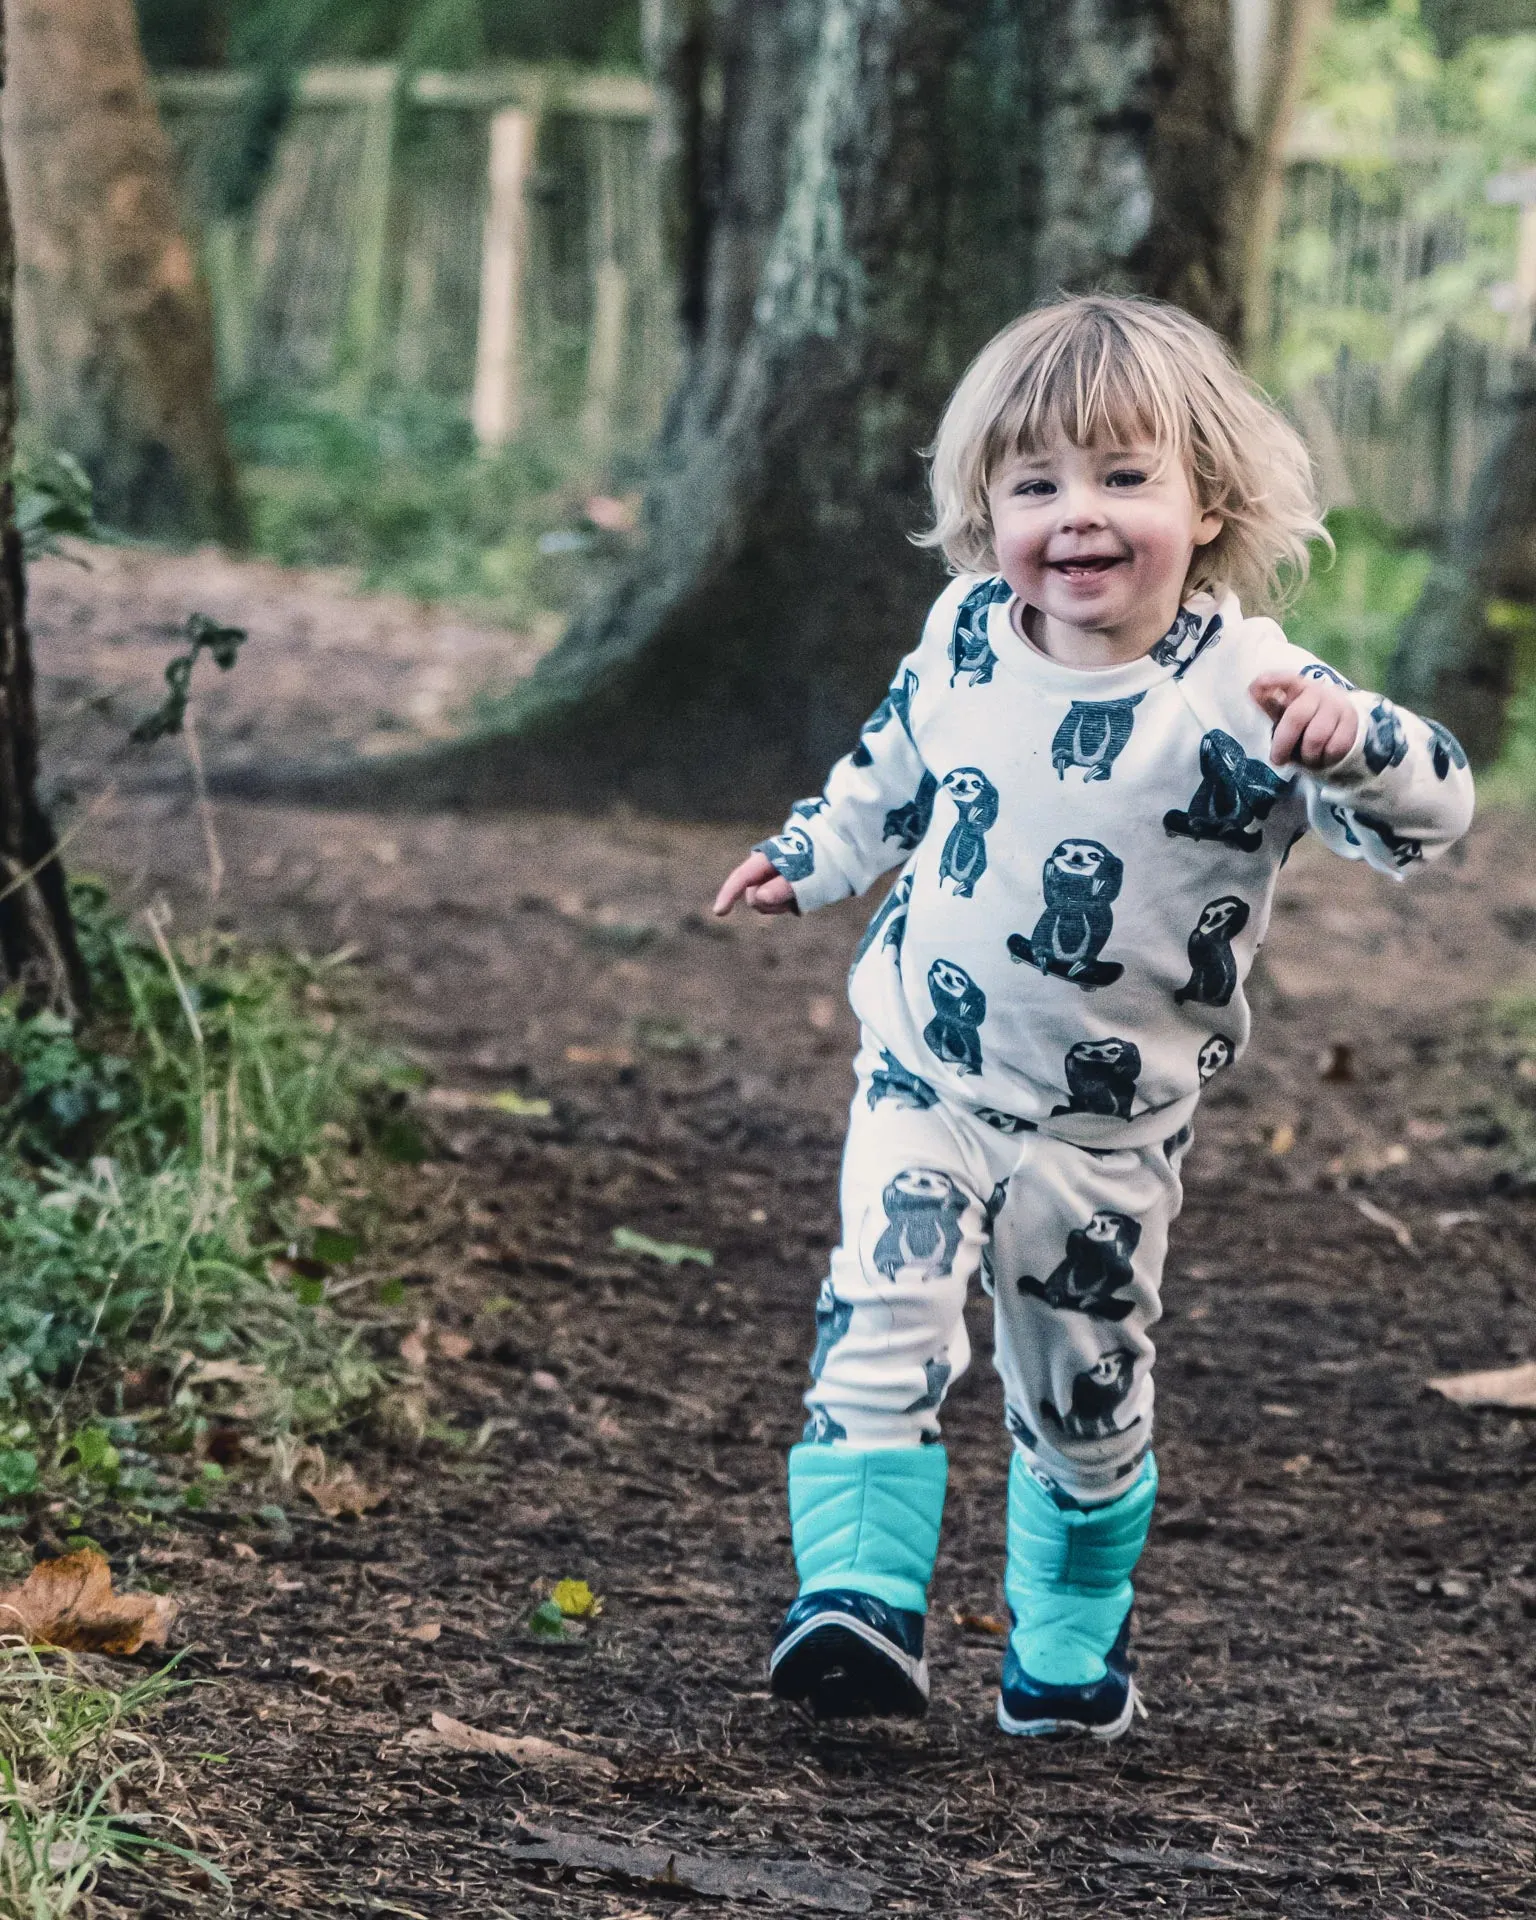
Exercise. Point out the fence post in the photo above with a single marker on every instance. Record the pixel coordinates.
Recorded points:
(497, 403)
(365, 298)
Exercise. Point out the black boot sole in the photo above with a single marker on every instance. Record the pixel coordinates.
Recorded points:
(841, 1675)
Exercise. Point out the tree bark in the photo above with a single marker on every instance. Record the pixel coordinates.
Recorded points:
(895, 180)
(1458, 656)
(113, 320)
(37, 940)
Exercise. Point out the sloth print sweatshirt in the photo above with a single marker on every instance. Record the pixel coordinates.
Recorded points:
(1088, 859)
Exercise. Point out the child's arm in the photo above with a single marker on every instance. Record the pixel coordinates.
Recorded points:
(1384, 786)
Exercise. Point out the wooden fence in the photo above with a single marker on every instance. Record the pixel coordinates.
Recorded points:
(494, 239)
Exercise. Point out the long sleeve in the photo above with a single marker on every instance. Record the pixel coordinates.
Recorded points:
(875, 807)
(878, 801)
(1403, 794)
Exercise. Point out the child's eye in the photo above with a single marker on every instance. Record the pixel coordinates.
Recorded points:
(1126, 477)
(1034, 489)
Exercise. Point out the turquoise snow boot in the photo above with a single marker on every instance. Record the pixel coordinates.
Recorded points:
(1068, 1669)
(865, 1525)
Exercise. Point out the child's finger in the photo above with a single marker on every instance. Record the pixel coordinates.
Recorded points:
(1315, 741)
(755, 868)
(772, 896)
(1290, 728)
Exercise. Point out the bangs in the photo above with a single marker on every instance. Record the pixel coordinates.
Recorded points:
(1092, 385)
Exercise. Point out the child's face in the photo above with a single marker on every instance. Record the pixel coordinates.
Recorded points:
(1098, 539)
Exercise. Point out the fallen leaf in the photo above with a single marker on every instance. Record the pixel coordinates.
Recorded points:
(447, 1735)
(1418, 1129)
(981, 1623)
(822, 1012)
(413, 1348)
(69, 1603)
(543, 1382)
(1336, 1062)
(427, 1633)
(508, 1100)
(1282, 1138)
(600, 1056)
(576, 1600)
(454, 1346)
(547, 1622)
(1458, 1217)
(1366, 1161)
(335, 1490)
(312, 1214)
(671, 1253)
(243, 1550)
(1298, 1463)
(212, 1373)
(323, 1676)
(1513, 1387)
(1388, 1222)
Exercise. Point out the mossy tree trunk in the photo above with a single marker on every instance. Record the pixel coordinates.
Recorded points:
(1459, 653)
(113, 319)
(880, 185)
(37, 940)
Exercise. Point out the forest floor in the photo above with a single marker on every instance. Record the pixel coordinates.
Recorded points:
(1338, 1604)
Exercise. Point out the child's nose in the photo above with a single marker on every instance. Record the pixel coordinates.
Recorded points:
(1081, 507)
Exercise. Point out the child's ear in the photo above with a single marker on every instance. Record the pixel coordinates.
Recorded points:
(1207, 527)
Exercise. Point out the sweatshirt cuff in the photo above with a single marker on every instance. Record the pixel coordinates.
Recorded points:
(810, 870)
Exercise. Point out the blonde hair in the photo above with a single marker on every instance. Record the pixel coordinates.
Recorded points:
(1097, 368)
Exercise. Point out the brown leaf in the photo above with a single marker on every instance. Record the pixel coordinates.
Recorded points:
(447, 1735)
(1336, 1062)
(336, 1490)
(1282, 1138)
(600, 1056)
(455, 1346)
(981, 1623)
(69, 1603)
(426, 1633)
(413, 1348)
(312, 1214)
(1513, 1387)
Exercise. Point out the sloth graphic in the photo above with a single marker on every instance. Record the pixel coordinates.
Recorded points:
(1081, 880)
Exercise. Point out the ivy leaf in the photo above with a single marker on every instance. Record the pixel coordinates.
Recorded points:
(671, 1253)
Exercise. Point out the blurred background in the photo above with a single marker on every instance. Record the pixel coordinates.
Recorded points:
(445, 296)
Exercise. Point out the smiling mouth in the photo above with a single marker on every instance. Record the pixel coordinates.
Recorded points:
(1085, 566)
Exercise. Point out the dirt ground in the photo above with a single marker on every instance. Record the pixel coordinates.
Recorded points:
(1336, 1608)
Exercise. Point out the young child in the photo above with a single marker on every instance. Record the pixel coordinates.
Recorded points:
(1091, 769)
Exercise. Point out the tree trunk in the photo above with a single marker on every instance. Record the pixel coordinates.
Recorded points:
(37, 939)
(113, 321)
(895, 179)
(1458, 656)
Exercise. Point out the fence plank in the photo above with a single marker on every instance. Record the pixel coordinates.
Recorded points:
(497, 403)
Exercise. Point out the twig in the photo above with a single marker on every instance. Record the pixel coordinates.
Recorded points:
(30, 873)
(204, 806)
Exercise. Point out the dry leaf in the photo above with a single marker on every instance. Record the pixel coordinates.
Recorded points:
(1364, 1162)
(454, 1346)
(312, 1214)
(447, 1735)
(1388, 1222)
(335, 1490)
(1513, 1387)
(69, 1603)
(413, 1348)
(1337, 1062)
(981, 1623)
(1282, 1138)
(600, 1056)
(426, 1633)
(325, 1677)
(1298, 1463)
(822, 1012)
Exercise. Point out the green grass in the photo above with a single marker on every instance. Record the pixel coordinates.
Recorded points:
(1355, 601)
(151, 1170)
(74, 1758)
(403, 496)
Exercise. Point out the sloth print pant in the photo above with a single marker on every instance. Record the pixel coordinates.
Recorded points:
(1069, 1243)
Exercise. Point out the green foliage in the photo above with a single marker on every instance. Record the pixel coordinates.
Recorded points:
(403, 496)
(53, 498)
(204, 635)
(1381, 93)
(1353, 605)
(149, 1168)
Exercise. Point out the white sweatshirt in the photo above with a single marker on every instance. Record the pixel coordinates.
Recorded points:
(1089, 859)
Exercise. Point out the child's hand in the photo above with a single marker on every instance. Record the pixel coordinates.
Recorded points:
(765, 890)
(1315, 724)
